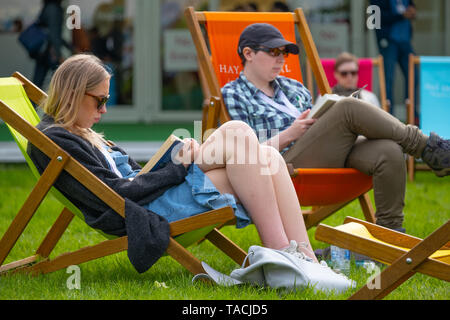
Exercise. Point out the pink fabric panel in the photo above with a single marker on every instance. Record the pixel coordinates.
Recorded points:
(328, 66)
(365, 72)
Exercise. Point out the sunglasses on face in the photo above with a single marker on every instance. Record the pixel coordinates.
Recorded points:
(346, 73)
(100, 100)
(274, 52)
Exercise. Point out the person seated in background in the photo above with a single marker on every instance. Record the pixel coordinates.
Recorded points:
(346, 73)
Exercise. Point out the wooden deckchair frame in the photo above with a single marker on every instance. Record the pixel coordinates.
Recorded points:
(377, 62)
(59, 161)
(214, 110)
(403, 264)
(210, 84)
(410, 105)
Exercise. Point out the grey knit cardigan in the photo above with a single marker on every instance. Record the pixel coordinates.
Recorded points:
(148, 233)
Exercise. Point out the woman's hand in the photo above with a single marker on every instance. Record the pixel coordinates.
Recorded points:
(188, 153)
(300, 125)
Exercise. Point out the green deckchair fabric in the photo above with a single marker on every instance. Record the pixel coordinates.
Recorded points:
(13, 94)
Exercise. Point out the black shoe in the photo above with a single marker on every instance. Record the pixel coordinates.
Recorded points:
(402, 230)
(437, 155)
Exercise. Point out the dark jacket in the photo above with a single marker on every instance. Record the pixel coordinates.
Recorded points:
(148, 233)
(388, 18)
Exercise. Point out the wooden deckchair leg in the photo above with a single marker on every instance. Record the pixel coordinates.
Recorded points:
(403, 268)
(184, 257)
(47, 244)
(30, 206)
(226, 245)
(314, 218)
(82, 255)
(55, 233)
(366, 206)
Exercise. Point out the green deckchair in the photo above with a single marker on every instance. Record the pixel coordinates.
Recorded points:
(18, 113)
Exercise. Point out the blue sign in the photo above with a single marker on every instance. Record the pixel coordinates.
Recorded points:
(435, 95)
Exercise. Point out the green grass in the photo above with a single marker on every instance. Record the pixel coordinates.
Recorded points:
(113, 277)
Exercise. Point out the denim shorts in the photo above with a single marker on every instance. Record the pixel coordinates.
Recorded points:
(197, 194)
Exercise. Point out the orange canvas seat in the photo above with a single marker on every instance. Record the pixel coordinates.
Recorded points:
(338, 185)
(330, 189)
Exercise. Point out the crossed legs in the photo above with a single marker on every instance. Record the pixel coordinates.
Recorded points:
(258, 177)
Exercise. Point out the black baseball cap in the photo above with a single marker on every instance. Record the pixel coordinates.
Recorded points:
(264, 34)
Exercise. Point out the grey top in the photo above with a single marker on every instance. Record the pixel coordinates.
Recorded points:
(148, 233)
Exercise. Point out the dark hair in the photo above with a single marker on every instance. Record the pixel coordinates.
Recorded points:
(253, 5)
(280, 6)
(345, 57)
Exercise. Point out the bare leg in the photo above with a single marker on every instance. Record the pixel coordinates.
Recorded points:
(288, 204)
(263, 185)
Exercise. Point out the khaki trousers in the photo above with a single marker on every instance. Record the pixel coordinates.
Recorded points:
(355, 134)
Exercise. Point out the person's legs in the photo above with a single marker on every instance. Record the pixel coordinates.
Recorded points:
(384, 160)
(404, 50)
(40, 71)
(389, 52)
(329, 141)
(262, 184)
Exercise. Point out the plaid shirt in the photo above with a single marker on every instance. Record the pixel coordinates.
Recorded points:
(243, 103)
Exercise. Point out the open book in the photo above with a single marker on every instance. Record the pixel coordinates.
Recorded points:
(326, 101)
(163, 155)
(322, 104)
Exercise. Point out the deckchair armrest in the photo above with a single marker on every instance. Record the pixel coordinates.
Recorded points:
(201, 220)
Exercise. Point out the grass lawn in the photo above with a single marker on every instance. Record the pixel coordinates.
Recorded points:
(113, 277)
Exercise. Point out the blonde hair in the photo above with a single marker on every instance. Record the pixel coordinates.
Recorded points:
(73, 78)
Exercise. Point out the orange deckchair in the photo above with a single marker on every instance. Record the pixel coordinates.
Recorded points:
(366, 66)
(326, 190)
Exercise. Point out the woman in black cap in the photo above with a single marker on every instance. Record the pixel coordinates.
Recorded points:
(351, 134)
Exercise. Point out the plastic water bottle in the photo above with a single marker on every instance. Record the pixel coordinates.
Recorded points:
(366, 264)
(340, 259)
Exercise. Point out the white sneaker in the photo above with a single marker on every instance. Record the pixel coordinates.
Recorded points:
(320, 275)
(293, 250)
(323, 263)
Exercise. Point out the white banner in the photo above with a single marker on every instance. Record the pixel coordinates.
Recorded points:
(331, 39)
(179, 51)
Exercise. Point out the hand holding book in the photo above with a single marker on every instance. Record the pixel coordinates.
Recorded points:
(188, 153)
(301, 124)
(326, 101)
(167, 152)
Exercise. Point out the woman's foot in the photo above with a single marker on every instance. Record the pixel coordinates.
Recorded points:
(300, 250)
(437, 155)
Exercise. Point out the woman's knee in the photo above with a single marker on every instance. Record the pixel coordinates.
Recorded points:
(238, 132)
(351, 104)
(376, 156)
(236, 125)
(391, 155)
(272, 158)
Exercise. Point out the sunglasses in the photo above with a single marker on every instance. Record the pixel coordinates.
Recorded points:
(100, 100)
(274, 52)
(346, 73)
